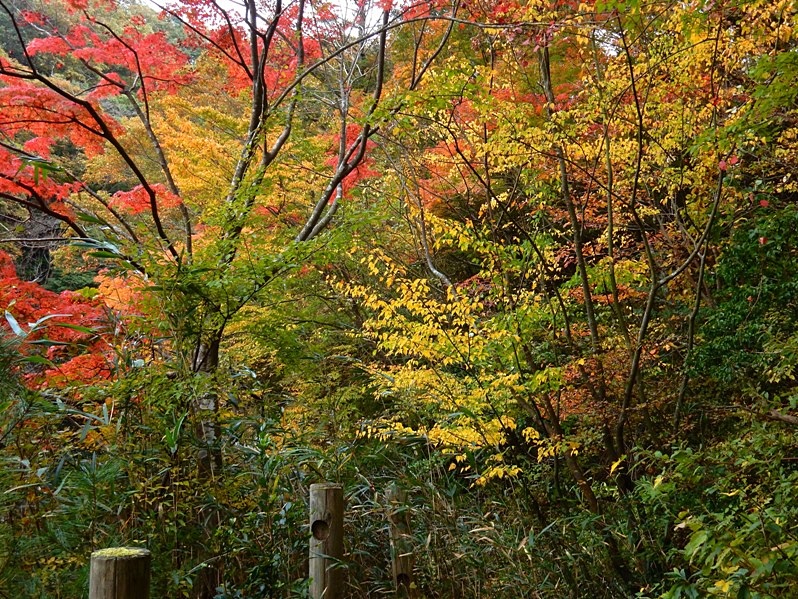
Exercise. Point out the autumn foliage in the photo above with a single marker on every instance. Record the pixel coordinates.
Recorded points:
(69, 331)
(531, 263)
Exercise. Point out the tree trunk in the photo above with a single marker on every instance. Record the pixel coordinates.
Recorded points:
(209, 457)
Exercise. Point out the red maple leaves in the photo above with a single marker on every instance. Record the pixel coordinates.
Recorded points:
(137, 200)
(363, 170)
(68, 330)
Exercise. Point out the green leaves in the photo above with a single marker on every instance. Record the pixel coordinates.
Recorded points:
(42, 169)
(747, 333)
(733, 532)
(172, 434)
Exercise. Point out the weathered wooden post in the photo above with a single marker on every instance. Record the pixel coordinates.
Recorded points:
(120, 573)
(401, 542)
(326, 541)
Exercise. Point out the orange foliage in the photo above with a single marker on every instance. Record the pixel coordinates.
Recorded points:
(123, 294)
(83, 355)
(138, 199)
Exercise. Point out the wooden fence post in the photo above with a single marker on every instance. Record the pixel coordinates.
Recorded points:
(326, 541)
(401, 543)
(120, 573)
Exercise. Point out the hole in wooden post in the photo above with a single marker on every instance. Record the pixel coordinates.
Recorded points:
(320, 530)
(403, 580)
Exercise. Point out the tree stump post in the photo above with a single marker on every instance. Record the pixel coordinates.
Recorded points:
(402, 558)
(120, 573)
(326, 541)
